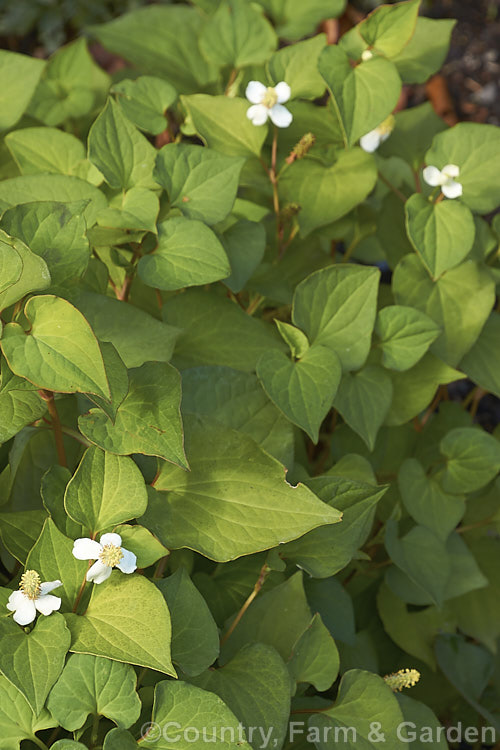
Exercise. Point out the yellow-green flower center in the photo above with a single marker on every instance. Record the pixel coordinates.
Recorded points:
(30, 584)
(270, 98)
(386, 127)
(405, 678)
(111, 555)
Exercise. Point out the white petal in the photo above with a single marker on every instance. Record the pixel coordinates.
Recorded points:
(25, 611)
(371, 141)
(283, 92)
(86, 549)
(257, 113)
(49, 586)
(280, 116)
(15, 600)
(451, 170)
(47, 604)
(128, 563)
(452, 189)
(433, 176)
(99, 572)
(255, 91)
(114, 539)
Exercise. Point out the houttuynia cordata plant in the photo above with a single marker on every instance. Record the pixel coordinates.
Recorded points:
(248, 315)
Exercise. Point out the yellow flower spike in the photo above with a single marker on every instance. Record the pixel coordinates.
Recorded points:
(30, 584)
(404, 678)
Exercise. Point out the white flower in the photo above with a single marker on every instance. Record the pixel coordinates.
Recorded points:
(372, 140)
(445, 179)
(267, 102)
(109, 554)
(32, 596)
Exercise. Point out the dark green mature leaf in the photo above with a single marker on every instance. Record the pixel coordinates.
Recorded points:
(364, 96)
(326, 193)
(105, 490)
(459, 302)
(427, 502)
(189, 707)
(18, 408)
(161, 41)
(255, 685)
(60, 353)
(135, 209)
(336, 308)
(19, 531)
(413, 133)
(263, 621)
(362, 696)
(17, 719)
(200, 182)
(123, 155)
(363, 399)
(324, 551)
(315, 658)
(482, 361)
(145, 101)
(405, 335)
(20, 75)
(475, 149)
(195, 637)
(238, 34)
(295, 20)
(24, 271)
(302, 389)
(52, 489)
(136, 335)
(244, 243)
(148, 421)
(93, 685)
(217, 332)
(188, 254)
(222, 124)
(56, 233)
(52, 557)
(442, 233)
(118, 739)
(33, 661)
(127, 620)
(256, 508)
(473, 459)
(422, 724)
(237, 400)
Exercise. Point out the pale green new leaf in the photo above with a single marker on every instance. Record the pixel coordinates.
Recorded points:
(389, 28)
(405, 335)
(336, 307)
(188, 254)
(60, 352)
(297, 64)
(20, 75)
(426, 51)
(304, 389)
(39, 150)
(146, 547)
(223, 125)
(222, 511)
(33, 661)
(135, 209)
(97, 686)
(127, 620)
(200, 182)
(364, 96)
(11, 266)
(123, 155)
(441, 233)
(105, 490)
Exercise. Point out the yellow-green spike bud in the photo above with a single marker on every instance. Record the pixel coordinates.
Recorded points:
(30, 584)
(111, 555)
(405, 678)
(289, 211)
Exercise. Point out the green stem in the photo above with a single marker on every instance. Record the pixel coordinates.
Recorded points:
(37, 741)
(95, 731)
(392, 187)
